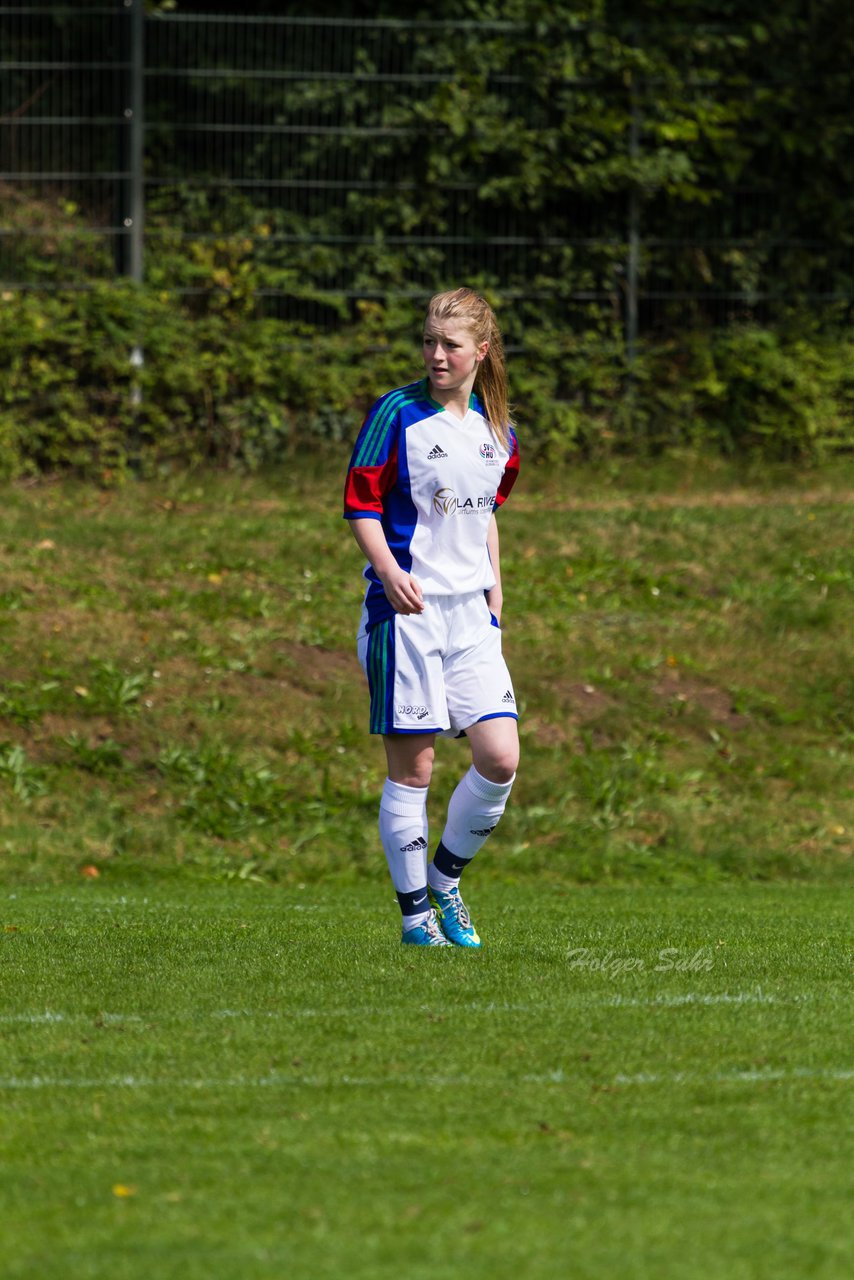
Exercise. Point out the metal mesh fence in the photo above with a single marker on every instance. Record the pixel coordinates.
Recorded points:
(64, 139)
(270, 144)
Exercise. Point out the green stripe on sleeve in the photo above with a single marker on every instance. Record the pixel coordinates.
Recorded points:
(368, 455)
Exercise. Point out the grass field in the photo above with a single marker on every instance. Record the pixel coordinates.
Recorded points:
(181, 686)
(215, 1058)
(244, 1082)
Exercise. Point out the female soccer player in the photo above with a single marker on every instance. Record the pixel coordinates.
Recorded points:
(432, 463)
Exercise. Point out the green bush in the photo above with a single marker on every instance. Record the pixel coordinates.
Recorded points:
(215, 388)
(778, 394)
(229, 387)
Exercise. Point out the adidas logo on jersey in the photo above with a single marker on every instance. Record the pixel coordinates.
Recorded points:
(436, 452)
(487, 831)
(508, 697)
(419, 843)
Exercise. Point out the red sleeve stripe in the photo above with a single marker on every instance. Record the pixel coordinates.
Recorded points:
(367, 486)
(511, 472)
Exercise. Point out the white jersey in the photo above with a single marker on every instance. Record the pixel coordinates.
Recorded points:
(433, 480)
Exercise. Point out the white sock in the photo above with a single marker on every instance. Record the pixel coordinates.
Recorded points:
(403, 832)
(473, 814)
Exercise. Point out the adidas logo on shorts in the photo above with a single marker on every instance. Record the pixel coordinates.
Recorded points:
(487, 831)
(508, 697)
(436, 452)
(419, 843)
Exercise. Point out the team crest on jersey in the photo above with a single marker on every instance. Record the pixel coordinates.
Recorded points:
(487, 451)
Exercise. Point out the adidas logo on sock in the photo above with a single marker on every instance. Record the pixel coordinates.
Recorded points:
(436, 452)
(508, 697)
(419, 843)
(487, 831)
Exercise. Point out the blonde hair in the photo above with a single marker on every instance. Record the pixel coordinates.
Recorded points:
(468, 308)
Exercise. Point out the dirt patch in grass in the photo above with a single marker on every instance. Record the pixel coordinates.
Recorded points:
(312, 668)
(56, 725)
(290, 689)
(73, 635)
(674, 686)
(581, 704)
(584, 701)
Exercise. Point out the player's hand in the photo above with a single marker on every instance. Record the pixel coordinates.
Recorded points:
(403, 591)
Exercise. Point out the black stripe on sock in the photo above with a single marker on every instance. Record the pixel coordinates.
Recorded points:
(450, 864)
(412, 904)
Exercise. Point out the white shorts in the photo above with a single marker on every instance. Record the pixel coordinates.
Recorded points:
(436, 671)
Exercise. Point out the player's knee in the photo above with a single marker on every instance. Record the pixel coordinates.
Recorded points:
(504, 770)
(500, 764)
(416, 777)
(410, 763)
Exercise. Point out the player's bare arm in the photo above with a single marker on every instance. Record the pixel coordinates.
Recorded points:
(495, 596)
(402, 590)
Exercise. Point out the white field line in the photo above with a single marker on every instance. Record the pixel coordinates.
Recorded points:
(48, 1017)
(584, 1001)
(210, 909)
(701, 998)
(759, 1076)
(274, 1081)
(492, 1006)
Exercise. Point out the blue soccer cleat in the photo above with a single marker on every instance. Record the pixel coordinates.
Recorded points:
(427, 934)
(454, 919)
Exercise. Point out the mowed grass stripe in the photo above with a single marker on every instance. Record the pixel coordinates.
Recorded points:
(556, 1077)
(52, 1017)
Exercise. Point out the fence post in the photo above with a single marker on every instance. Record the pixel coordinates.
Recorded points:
(633, 264)
(136, 107)
(134, 207)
